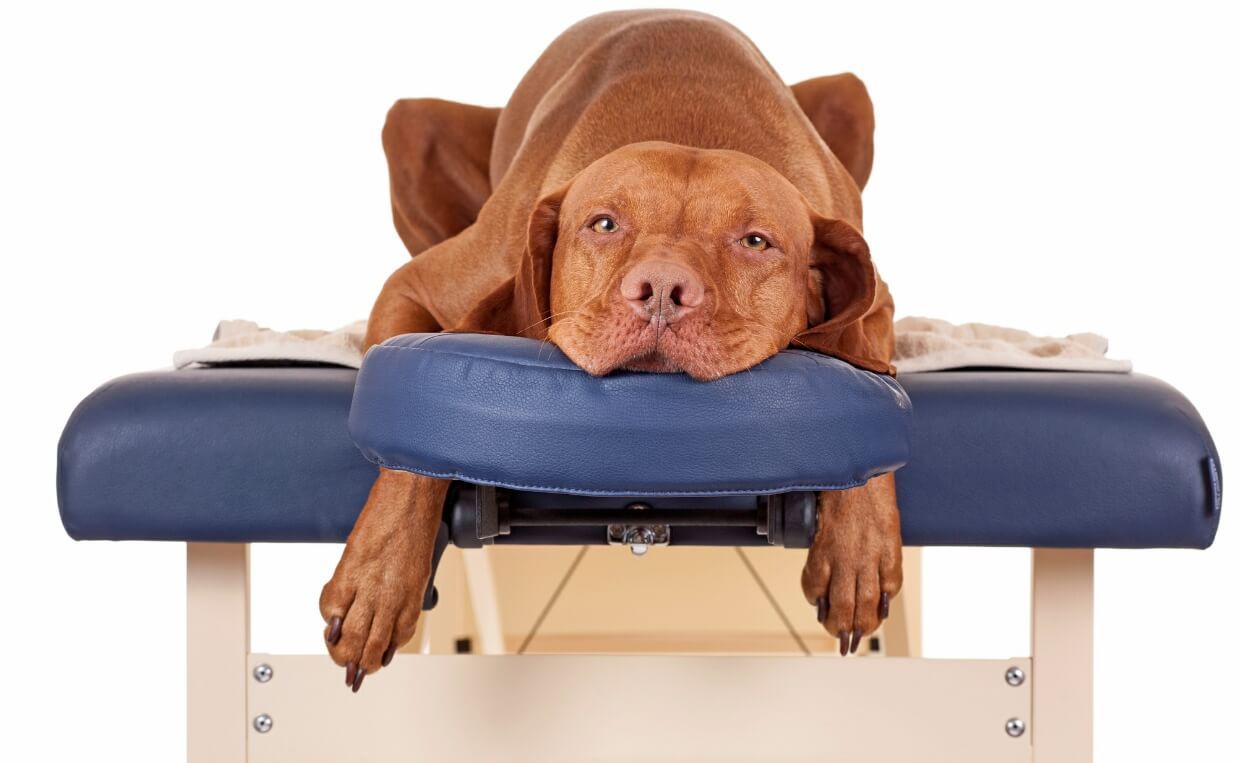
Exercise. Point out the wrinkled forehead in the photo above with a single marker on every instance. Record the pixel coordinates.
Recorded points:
(676, 184)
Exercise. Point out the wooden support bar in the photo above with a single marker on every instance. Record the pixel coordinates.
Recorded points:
(625, 707)
(1061, 721)
(901, 633)
(217, 609)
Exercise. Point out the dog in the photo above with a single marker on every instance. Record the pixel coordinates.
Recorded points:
(653, 197)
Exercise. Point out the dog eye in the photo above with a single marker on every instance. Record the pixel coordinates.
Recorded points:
(755, 241)
(605, 225)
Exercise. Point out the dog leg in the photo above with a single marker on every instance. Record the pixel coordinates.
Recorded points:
(438, 157)
(855, 565)
(400, 308)
(839, 107)
(436, 289)
(372, 603)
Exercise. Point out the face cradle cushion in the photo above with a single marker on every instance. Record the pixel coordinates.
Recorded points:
(1002, 458)
(516, 413)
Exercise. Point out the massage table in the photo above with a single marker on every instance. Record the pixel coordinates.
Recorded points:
(540, 453)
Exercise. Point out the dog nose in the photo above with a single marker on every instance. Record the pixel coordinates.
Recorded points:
(660, 289)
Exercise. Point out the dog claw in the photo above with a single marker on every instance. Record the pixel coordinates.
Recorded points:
(333, 633)
(350, 673)
(883, 606)
(844, 643)
(823, 609)
(357, 683)
(855, 640)
(387, 655)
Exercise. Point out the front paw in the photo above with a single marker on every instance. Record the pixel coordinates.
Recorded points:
(855, 565)
(371, 608)
(372, 603)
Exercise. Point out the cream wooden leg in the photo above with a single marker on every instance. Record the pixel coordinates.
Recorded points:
(901, 633)
(1057, 714)
(467, 606)
(1061, 722)
(484, 600)
(217, 604)
(446, 622)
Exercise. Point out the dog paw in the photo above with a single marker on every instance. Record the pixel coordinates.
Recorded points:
(854, 566)
(370, 607)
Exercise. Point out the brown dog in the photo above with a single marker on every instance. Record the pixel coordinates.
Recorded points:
(652, 197)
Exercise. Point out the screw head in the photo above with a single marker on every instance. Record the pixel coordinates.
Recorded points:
(1015, 727)
(1015, 676)
(263, 673)
(263, 723)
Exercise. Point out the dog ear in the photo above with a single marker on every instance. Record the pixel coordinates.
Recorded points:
(841, 279)
(839, 107)
(850, 312)
(531, 294)
(438, 161)
(520, 306)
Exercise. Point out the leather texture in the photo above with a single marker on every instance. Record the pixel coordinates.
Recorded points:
(1003, 458)
(216, 454)
(1056, 459)
(515, 412)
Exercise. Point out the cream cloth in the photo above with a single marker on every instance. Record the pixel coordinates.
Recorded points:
(921, 344)
(929, 344)
(247, 341)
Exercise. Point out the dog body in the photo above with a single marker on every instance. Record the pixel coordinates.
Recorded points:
(652, 197)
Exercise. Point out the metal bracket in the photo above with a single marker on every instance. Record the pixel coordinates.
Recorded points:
(787, 519)
(491, 513)
(479, 515)
(638, 537)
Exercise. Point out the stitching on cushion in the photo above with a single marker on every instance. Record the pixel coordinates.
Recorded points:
(814, 357)
(572, 368)
(577, 491)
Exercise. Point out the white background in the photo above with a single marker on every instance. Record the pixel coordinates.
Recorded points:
(1055, 168)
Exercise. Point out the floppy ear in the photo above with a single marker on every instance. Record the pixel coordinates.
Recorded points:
(839, 107)
(531, 293)
(438, 159)
(520, 306)
(850, 312)
(841, 279)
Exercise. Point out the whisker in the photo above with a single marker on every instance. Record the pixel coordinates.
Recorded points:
(544, 343)
(548, 318)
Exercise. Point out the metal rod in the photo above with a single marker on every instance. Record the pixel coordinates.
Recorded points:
(569, 517)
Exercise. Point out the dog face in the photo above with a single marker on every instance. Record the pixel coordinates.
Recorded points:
(669, 258)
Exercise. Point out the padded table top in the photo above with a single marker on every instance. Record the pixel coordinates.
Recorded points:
(1002, 458)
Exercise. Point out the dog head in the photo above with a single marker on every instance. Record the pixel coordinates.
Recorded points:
(662, 257)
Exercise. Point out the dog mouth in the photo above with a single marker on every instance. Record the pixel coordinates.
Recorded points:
(647, 349)
(606, 341)
(653, 362)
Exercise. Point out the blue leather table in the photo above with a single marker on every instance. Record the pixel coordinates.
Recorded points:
(995, 457)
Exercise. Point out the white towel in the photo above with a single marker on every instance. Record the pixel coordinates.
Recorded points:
(929, 344)
(247, 341)
(921, 344)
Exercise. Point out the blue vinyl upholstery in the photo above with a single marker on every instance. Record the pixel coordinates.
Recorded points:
(220, 454)
(1006, 458)
(515, 412)
(1057, 459)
